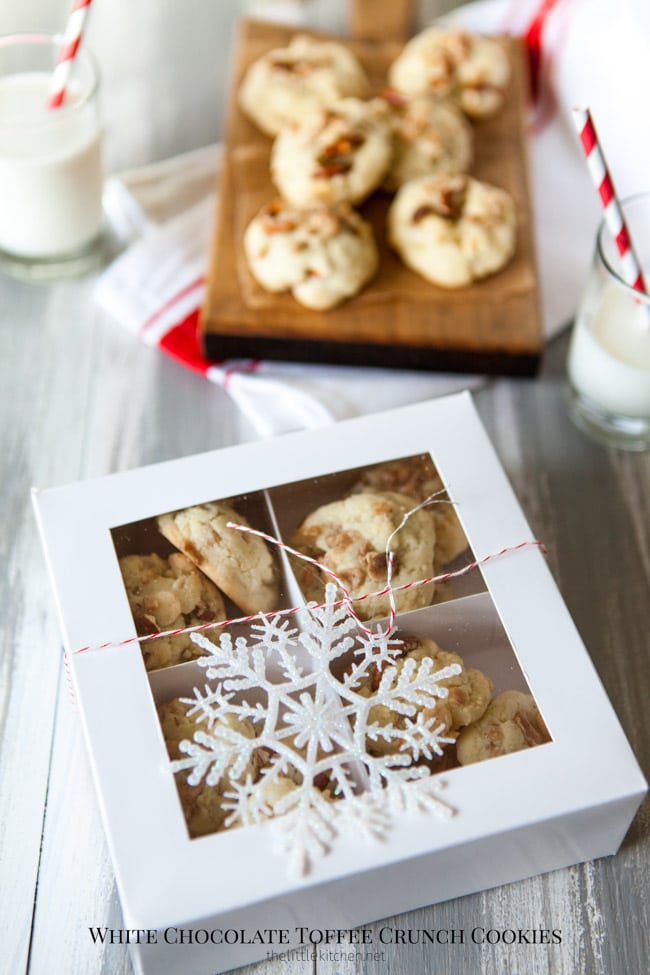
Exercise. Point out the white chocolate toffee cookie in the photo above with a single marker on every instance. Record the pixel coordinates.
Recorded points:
(288, 82)
(452, 230)
(337, 154)
(468, 694)
(202, 804)
(323, 255)
(239, 563)
(430, 136)
(169, 594)
(470, 68)
(511, 723)
(417, 478)
(349, 537)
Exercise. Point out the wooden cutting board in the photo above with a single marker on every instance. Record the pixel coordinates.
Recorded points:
(400, 319)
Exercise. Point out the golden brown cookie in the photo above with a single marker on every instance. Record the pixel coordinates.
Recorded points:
(417, 478)
(453, 230)
(511, 723)
(202, 804)
(470, 68)
(240, 564)
(169, 594)
(286, 83)
(349, 537)
(430, 136)
(322, 254)
(467, 698)
(338, 154)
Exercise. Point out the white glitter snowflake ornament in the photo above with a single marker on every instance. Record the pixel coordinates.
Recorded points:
(312, 727)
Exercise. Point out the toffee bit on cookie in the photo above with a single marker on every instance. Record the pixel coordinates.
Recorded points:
(393, 97)
(145, 624)
(300, 67)
(423, 211)
(273, 208)
(408, 644)
(380, 508)
(485, 88)
(333, 168)
(341, 538)
(343, 146)
(337, 157)
(275, 219)
(352, 578)
(532, 727)
(279, 226)
(193, 552)
(321, 781)
(377, 564)
(449, 197)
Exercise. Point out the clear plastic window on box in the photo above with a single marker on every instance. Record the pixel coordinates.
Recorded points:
(188, 569)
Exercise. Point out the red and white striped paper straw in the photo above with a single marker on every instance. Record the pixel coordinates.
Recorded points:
(630, 266)
(71, 41)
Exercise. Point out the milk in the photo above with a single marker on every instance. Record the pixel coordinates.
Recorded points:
(50, 169)
(609, 358)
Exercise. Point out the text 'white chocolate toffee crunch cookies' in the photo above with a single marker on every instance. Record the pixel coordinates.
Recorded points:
(322, 255)
(286, 83)
(452, 230)
(349, 537)
(240, 564)
(472, 69)
(168, 594)
(511, 723)
(337, 154)
(430, 136)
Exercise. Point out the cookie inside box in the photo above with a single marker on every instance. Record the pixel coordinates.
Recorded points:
(443, 688)
(284, 753)
(187, 568)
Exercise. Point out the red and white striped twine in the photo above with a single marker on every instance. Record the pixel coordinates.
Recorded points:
(71, 41)
(346, 600)
(630, 267)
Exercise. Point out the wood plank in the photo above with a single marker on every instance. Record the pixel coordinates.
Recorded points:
(380, 20)
(399, 319)
(42, 430)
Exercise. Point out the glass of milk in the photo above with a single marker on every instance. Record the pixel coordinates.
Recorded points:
(50, 162)
(609, 356)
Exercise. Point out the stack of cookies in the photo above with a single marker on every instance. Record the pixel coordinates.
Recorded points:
(335, 146)
(349, 536)
(187, 587)
(476, 725)
(205, 806)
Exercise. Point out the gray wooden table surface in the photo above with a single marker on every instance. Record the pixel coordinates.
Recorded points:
(80, 399)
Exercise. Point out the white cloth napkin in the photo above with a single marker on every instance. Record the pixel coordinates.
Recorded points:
(165, 211)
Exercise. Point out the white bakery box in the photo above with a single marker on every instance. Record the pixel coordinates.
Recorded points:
(514, 816)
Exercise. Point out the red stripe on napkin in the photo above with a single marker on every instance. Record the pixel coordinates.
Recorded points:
(533, 38)
(181, 343)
